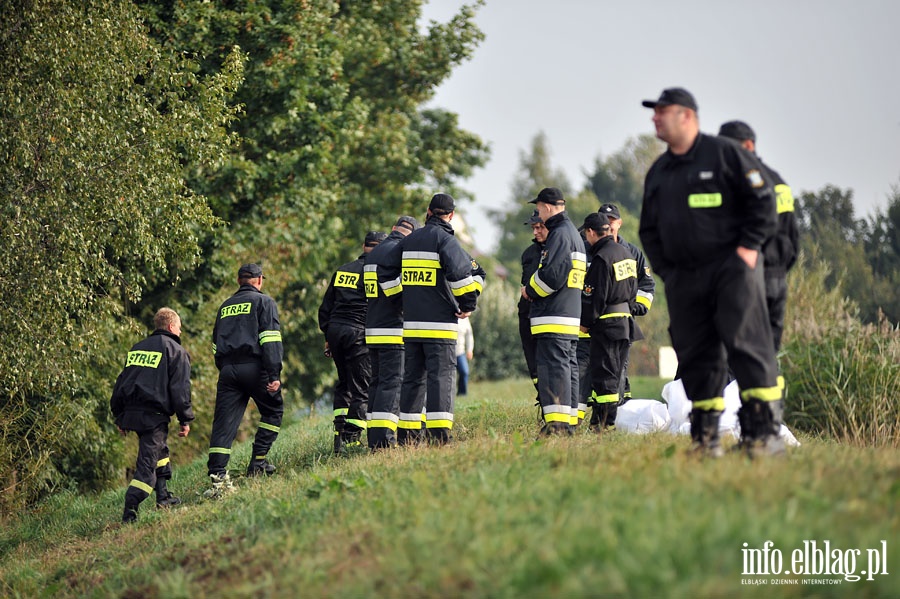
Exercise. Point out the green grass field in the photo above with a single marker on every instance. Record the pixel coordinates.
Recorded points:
(497, 514)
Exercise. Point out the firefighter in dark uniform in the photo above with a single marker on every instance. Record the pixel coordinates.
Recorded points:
(154, 385)
(441, 283)
(610, 291)
(248, 353)
(707, 211)
(583, 355)
(646, 284)
(780, 251)
(342, 318)
(384, 334)
(531, 258)
(555, 290)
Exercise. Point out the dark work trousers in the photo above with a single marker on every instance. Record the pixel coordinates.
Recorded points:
(237, 384)
(528, 345)
(152, 463)
(607, 361)
(428, 380)
(776, 299)
(384, 394)
(719, 320)
(354, 369)
(583, 353)
(558, 382)
(626, 384)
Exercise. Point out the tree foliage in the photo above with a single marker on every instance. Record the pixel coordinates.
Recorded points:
(98, 127)
(619, 178)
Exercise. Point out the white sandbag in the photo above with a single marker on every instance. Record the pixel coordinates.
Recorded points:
(678, 405)
(642, 416)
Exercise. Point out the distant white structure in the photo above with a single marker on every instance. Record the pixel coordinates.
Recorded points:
(668, 362)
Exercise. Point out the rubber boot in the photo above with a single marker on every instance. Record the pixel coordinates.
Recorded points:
(130, 514)
(761, 428)
(705, 433)
(164, 499)
(260, 467)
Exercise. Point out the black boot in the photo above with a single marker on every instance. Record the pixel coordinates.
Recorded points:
(164, 499)
(130, 514)
(705, 433)
(260, 467)
(761, 428)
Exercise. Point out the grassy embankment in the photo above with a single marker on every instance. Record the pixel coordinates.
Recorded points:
(496, 514)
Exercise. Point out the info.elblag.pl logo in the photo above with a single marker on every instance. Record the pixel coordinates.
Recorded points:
(811, 562)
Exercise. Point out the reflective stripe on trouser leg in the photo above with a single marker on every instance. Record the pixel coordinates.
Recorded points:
(384, 395)
(412, 394)
(440, 365)
(556, 359)
(351, 357)
(150, 449)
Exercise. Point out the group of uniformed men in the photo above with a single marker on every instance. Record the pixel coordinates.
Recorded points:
(390, 317)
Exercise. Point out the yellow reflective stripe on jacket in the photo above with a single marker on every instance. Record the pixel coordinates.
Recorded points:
(784, 199)
(269, 337)
(714, 404)
(539, 286)
(762, 393)
(384, 336)
(235, 310)
(145, 359)
(370, 280)
(392, 287)
(430, 330)
(555, 324)
(346, 279)
(705, 200)
(341, 411)
(463, 286)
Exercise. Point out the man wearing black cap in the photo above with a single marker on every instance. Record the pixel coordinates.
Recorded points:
(609, 295)
(780, 251)
(707, 211)
(531, 258)
(154, 385)
(248, 351)
(646, 284)
(555, 290)
(342, 318)
(440, 285)
(384, 334)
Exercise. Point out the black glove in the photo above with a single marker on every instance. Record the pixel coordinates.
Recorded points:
(638, 309)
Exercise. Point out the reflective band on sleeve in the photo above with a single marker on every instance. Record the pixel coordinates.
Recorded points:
(539, 286)
(270, 427)
(392, 287)
(715, 404)
(784, 199)
(645, 298)
(341, 412)
(269, 336)
(463, 286)
(705, 200)
(142, 486)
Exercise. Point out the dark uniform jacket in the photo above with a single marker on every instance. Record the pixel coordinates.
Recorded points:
(780, 251)
(610, 289)
(155, 384)
(691, 215)
(646, 284)
(384, 314)
(345, 299)
(556, 285)
(439, 279)
(247, 330)
(531, 259)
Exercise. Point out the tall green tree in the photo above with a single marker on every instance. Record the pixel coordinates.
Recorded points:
(335, 141)
(98, 127)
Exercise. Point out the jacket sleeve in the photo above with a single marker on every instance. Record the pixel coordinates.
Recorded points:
(180, 385)
(552, 273)
(270, 338)
(646, 285)
(649, 227)
(756, 199)
(458, 269)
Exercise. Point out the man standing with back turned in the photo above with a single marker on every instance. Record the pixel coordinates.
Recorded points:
(247, 343)
(555, 290)
(707, 211)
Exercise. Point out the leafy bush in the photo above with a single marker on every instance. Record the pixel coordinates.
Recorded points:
(843, 377)
(498, 349)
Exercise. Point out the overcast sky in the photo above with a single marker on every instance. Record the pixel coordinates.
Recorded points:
(819, 81)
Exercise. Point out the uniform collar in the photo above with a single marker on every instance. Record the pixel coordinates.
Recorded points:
(600, 243)
(556, 220)
(437, 221)
(167, 334)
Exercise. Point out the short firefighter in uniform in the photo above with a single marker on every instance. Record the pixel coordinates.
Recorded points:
(248, 353)
(342, 318)
(707, 211)
(610, 291)
(384, 334)
(555, 290)
(154, 385)
(441, 283)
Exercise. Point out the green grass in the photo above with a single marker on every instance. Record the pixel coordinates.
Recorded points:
(497, 514)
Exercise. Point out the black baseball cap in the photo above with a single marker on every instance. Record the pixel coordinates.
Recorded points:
(549, 195)
(673, 95)
(610, 211)
(408, 222)
(250, 271)
(442, 203)
(373, 238)
(738, 130)
(595, 221)
(534, 219)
